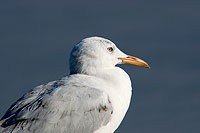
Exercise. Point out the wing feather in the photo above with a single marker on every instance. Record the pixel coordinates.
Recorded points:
(59, 107)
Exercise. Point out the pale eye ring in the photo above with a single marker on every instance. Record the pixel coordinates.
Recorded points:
(110, 49)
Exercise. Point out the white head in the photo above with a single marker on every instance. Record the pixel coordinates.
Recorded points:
(95, 53)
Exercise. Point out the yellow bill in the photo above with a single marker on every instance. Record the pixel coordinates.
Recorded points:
(134, 61)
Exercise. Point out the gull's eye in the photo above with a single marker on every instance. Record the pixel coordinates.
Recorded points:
(110, 49)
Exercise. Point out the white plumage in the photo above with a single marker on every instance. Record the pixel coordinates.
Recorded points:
(94, 98)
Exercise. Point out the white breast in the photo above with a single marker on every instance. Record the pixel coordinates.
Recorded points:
(119, 91)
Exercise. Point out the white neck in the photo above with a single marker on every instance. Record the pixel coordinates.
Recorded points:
(118, 87)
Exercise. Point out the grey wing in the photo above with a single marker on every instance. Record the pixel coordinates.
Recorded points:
(68, 109)
(18, 113)
(85, 111)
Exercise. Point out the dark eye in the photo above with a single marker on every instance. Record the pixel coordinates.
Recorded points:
(110, 49)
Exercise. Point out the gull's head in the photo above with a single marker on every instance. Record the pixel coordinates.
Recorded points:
(96, 53)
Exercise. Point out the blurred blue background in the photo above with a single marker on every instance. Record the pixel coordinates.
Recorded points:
(37, 36)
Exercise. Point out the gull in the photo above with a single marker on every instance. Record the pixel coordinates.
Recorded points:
(93, 98)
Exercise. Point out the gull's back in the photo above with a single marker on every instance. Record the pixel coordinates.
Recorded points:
(67, 105)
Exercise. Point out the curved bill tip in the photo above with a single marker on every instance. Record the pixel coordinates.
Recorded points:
(134, 61)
